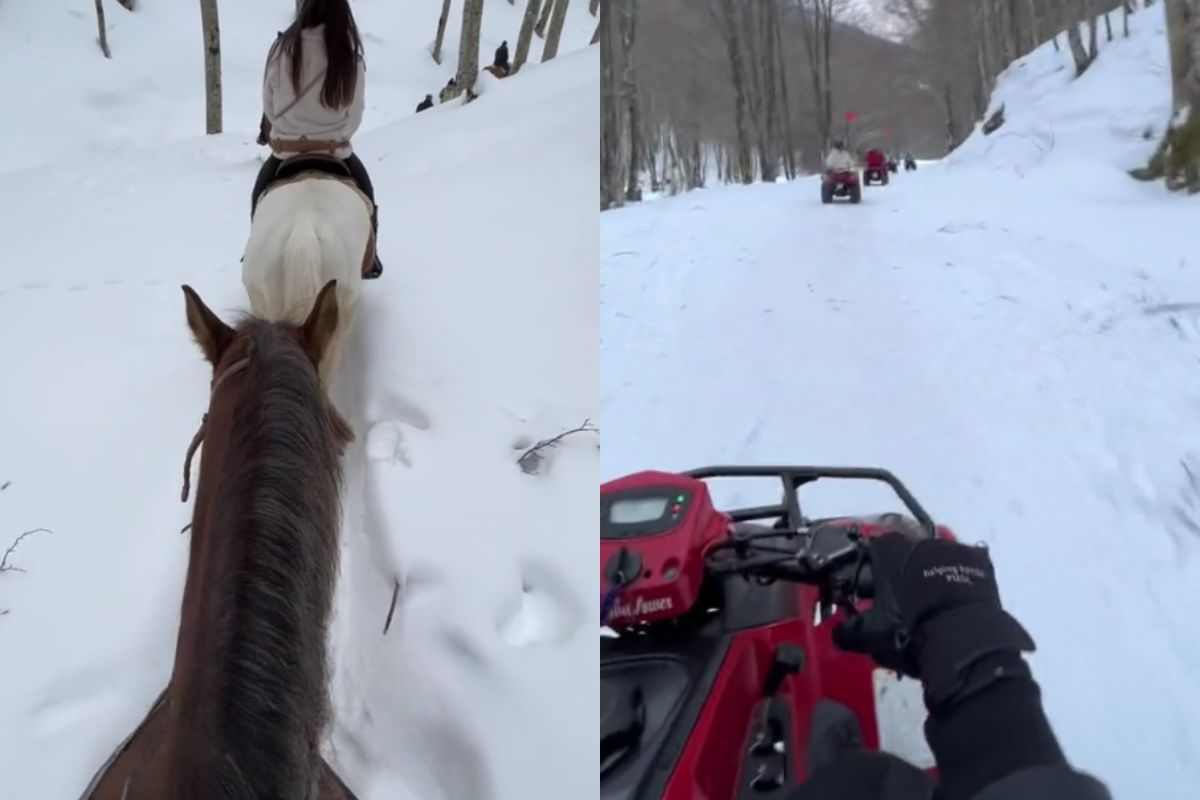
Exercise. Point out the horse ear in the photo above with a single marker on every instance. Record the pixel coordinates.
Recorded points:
(211, 333)
(317, 331)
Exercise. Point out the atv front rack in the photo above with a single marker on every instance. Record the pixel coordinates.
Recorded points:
(792, 478)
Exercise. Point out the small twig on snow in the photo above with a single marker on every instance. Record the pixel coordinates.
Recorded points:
(5, 485)
(532, 458)
(4, 565)
(392, 609)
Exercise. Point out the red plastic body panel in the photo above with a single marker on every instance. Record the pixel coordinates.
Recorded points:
(656, 595)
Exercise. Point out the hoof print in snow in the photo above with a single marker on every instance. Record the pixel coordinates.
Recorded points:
(546, 611)
(465, 651)
(397, 408)
(385, 442)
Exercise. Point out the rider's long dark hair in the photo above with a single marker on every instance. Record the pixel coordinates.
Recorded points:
(342, 44)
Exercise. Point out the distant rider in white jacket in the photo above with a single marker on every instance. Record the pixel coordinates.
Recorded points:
(839, 159)
(313, 95)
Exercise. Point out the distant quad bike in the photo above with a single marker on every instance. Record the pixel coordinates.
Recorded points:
(841, 183)
(909, 164)
(893, 167)
(718, 643)
(877, 168)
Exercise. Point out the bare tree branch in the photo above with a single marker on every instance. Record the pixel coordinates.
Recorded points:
(532, 458)
(392, 610)
(4, 565)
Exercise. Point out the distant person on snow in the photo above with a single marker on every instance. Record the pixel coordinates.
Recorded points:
(426, 103)
(447, 90)
(937, 617)
(839, 158)
(501, 60)
(313, 89)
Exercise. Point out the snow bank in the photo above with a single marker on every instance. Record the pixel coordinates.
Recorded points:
(480, 338)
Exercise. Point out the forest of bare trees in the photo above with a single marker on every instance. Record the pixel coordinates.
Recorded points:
(751, 90)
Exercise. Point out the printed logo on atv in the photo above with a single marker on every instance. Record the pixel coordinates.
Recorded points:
(642, 607)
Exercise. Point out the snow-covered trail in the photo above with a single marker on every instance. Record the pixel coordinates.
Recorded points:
(1006, 360)
(480, 338)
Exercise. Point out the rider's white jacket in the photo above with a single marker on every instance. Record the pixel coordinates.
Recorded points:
(839, 160)
(295, 114)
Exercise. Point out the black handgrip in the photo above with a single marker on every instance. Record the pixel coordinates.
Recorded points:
(864, 581)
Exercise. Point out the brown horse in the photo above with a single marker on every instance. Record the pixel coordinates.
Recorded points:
(247, 706)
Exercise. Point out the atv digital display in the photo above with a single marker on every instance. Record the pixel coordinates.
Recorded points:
(632, 510)
(642, 512)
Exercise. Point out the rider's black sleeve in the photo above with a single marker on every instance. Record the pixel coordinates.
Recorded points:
(998, 745)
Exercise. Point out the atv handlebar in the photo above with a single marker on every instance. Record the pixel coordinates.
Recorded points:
(830, 556)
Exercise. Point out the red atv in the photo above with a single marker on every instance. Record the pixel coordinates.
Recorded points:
(877, 168)
(718, 643)
(841, 183)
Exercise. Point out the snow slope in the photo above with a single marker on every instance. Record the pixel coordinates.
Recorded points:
(480, 338)
(1015, 332)
(152, 91)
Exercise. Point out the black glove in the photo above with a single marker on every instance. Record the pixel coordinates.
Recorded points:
(936, 614)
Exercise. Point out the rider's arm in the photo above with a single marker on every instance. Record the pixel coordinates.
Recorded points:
(998, 745)
(358, 104)
(270, 71)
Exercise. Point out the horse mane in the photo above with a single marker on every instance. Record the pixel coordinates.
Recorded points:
(279, 500)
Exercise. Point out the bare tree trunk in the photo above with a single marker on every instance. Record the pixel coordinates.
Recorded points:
(611, 130)
(774, 137)
(745, 166)
(1078, 52)
(817, 31)
(468, 50)
(103, 29)
(1183, 136)
(556, 29)
(789, 150)
(212, 65)
(754, 62)
(441, 32)
(523, 38)
(633, 191)
(540, 27)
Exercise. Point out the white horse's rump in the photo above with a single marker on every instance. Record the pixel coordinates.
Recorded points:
(306, 233)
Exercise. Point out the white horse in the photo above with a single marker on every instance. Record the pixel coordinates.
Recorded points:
(307, 231)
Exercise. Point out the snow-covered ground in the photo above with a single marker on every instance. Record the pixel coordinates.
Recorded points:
(480, 338)
(1015, 332)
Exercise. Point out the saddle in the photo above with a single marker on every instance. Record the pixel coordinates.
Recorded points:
(308, 162)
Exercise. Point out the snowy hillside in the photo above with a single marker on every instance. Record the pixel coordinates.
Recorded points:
(1015, 332)
(873, 17)
(479, 339)
(152, 91)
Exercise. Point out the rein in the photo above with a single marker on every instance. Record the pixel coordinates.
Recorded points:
(217, 382)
